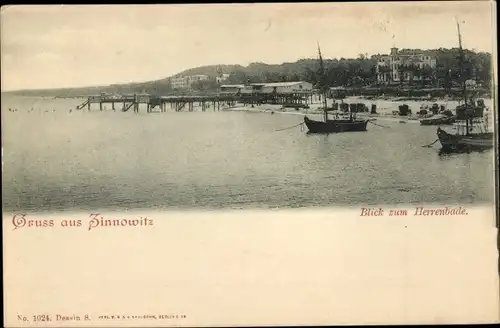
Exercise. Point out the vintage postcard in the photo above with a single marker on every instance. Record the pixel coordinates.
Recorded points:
(249, 164)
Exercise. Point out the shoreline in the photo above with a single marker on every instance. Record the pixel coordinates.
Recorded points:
(386, 108)
(317, 112)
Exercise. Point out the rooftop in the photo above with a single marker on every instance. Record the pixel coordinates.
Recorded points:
(280, 84)
(232, 86)
(402, 55)
(275, 84)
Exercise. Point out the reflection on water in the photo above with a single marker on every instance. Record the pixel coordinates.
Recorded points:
(83, 160)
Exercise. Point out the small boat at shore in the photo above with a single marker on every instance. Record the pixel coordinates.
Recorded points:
(335, 125)
(438, 119)
(473, 141)
(472, 115)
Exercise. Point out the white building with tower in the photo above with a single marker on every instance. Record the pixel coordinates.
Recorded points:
(398, 67)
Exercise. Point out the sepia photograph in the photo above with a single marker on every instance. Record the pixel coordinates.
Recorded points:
(188, 119)
(296, 117)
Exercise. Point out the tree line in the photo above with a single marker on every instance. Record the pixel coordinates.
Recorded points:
(362, 71)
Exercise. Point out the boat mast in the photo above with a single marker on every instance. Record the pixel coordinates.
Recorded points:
(322, 81)
(462, 76)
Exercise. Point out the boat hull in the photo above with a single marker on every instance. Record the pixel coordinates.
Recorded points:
(335, 126)
(438, 121)
(477, 141)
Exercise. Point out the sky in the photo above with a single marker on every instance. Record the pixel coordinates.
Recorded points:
(55, 46)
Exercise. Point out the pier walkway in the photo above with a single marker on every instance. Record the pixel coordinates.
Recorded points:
(180, 103)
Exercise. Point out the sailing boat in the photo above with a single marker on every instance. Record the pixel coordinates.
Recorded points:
(334, 125)
(470, 113)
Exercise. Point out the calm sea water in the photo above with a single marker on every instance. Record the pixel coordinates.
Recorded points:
(54, 160)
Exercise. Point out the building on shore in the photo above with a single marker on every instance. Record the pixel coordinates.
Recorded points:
(231, 89)
(184, 82)
(293, 94)
(222, 78)
(399, 67)
(286, 87)
(298, 87)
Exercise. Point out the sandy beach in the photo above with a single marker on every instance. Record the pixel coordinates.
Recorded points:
(385, 108)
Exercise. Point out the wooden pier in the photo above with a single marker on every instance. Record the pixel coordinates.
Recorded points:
(188, 103)
(158, 104)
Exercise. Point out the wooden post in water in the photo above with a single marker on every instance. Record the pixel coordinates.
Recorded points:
(100, 105)
(113, 105)
(88, 105)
